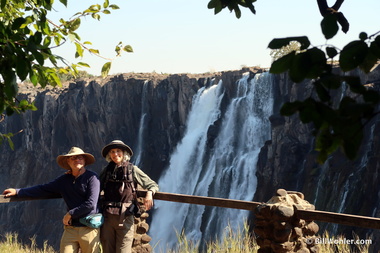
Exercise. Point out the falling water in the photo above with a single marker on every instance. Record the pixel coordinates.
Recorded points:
(222, 166)
(140, 138)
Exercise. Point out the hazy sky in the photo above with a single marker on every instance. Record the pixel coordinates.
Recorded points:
(178, 36)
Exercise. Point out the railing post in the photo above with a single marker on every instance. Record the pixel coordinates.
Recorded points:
(278, 229)
(140, 239)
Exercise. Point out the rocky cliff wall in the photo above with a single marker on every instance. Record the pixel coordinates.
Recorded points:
(288, 161)
(90, 113)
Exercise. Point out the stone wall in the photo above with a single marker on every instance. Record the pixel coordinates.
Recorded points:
(278, 229)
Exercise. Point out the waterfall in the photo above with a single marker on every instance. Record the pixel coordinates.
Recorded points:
(140, 137)
(217, 157)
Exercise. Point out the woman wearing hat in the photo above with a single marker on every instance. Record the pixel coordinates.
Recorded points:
(80, 189)
(118, 181)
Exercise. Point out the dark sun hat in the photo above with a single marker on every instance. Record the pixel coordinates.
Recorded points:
(116, 144)
(62, 159)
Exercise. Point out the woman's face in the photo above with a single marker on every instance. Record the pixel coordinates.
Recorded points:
(116, 155)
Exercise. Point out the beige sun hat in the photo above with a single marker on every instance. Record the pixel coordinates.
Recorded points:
(116, 144)
(62, 159)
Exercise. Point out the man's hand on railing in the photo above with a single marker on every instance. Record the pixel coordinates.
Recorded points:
(9, 192)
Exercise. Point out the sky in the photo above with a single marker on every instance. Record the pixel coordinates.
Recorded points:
(178, 36)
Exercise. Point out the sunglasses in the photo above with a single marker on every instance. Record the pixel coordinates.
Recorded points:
(76, 157)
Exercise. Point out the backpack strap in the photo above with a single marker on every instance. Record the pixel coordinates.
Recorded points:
(128, 175)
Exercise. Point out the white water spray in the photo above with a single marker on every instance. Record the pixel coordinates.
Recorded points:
(140, 138)
(221, 164)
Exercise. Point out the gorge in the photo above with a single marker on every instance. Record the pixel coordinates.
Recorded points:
(215, 134)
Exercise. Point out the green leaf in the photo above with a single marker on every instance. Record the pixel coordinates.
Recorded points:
(105, 69)
(128, 49)
(331, 52)
(22, 68)
(114, 7)
(290, 108)
(11, 87)
(83, 64)
(371, 96)
(237, 12)
(283, 64)
(375, 49)
(3, 3)
(213, 3)
(329, 26)
(33, 78)
(9, 111)
(330, 81)
(369, 62)
(39, 57)
(54, 79)
(317, 60)
(79, 51)
(75, 24)
(47, 41)
(64, 2)
(355, 84)
(322, 92)
(94, 51)
(17, 23)
(10, 143)
(95, 16)
(106, 12)
(363, 36)
(251, 7)
(106, 4)
(352, 55)
(299, 68)
(279, 43)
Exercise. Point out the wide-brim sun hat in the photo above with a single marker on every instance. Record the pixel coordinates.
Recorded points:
(62, 159)
(116, 144)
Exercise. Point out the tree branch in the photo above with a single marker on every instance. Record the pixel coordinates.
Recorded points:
(337, 5)
(324, 9)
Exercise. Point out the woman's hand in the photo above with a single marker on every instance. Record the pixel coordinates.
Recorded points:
(67, 219)
(148, 201)
(9, 192)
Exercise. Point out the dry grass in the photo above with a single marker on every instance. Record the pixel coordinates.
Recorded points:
(340, 244)
(240, 241)
(11, 244)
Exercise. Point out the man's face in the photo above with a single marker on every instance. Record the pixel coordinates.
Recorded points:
(76, 162)
(116, 155)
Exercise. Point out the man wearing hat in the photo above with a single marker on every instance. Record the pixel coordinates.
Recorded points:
(80, 189)
(119, 180)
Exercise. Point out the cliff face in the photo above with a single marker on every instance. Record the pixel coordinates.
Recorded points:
(288, 161)
(89, 114)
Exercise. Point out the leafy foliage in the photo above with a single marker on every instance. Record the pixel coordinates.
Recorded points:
(336, 125)
(341, 125)
(27, 37)
(293, 46)
(232, 5)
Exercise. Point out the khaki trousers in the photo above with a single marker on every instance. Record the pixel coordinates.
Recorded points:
(84, 238)
(116, 237)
